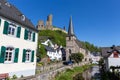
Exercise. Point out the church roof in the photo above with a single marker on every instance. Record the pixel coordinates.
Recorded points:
(10, 12)
(70, 29)
(79, 43)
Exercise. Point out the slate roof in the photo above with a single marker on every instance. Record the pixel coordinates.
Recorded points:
(70, 29)
(49, 49)
(10, 12)
(79, 43)
(105, 51)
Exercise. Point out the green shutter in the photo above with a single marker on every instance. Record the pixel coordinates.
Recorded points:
(26, 34)
(32, 57)
(0, 22)
(34, 37)
(18, 32)
(6, 24)
(24, 54)
(2, 54)
(16, 55)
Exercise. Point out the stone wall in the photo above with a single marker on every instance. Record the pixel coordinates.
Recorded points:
(50, 74)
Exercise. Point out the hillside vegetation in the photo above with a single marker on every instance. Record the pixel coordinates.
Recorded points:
(58, 37)
(90, 47)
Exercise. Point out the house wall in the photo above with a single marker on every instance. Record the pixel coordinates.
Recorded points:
(19, 68)
(55, 55)
(114, 62)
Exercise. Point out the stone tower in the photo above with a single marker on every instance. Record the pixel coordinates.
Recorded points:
(70, 40)
(40, 25)
(73, 45)
(49, 22)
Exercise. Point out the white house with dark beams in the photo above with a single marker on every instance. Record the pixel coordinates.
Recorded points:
(18, 42)
(111, 56)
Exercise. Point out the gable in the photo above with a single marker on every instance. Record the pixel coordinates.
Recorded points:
(115, 54)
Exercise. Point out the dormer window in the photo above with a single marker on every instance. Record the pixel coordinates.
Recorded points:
(22, 17)
(7, 4)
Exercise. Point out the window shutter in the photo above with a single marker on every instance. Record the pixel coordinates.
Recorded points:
(18, 31)
(24, 54)
(26, 34)
(6, 24)
(0, 22)
(33, 37)
(16, 55)
(32, 57)
(2, 54)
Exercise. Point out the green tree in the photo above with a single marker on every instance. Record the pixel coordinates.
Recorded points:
(77, 57)
(41, 51)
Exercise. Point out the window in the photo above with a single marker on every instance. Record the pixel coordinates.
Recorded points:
(69, 37)
(70, 51)
(29, 35)
(11, 29)
(28, 55)
(115, 53)
(9, 55)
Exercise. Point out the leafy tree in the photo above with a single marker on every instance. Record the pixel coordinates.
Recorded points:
(90, 46)
(41, 51)
(77, 57)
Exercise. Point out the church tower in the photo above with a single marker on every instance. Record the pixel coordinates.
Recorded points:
(70, 40)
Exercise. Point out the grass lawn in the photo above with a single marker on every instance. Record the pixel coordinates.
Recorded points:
(70, 73)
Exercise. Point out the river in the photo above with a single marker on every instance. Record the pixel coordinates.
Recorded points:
(92, 74)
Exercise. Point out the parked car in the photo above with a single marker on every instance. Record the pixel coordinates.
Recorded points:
(68, 62)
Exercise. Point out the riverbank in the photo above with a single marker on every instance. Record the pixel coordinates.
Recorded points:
(70, 73)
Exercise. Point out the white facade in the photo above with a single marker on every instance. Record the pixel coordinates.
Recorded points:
(22, 66)
(95, 59)
(112, 61)
(57, 55)
(53, 51)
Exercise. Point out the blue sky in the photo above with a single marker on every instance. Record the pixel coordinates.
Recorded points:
(95, 21)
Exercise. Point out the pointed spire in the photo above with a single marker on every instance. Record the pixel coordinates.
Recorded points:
(70, 29)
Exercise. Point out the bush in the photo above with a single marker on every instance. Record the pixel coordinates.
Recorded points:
(69, 70)
(78, 77)
(14, 77)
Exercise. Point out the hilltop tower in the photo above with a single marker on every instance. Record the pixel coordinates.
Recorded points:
(49, 22)
(40, 25)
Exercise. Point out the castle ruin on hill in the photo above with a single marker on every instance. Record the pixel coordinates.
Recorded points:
(48, 26)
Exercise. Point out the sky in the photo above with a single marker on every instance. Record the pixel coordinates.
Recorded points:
(94, 21)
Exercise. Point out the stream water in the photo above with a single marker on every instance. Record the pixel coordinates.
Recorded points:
(92, 74)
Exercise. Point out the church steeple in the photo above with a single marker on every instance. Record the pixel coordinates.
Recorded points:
(70, 29)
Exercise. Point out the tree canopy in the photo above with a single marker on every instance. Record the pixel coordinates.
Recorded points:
(77, 57)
